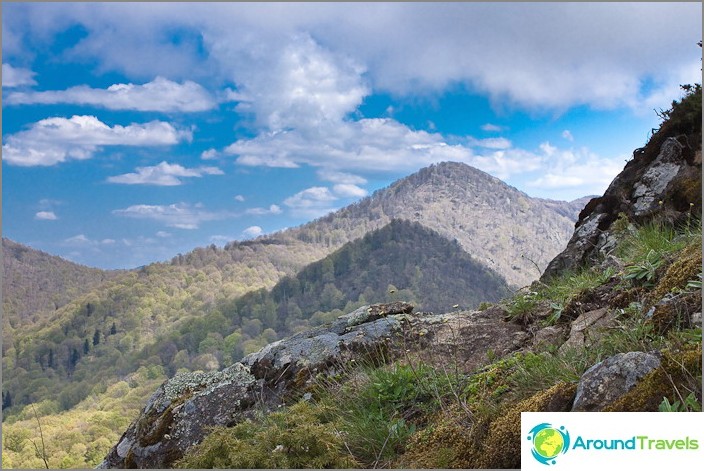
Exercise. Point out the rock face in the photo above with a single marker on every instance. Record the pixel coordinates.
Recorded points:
(178, 414)
(660, 181)
(605, 382)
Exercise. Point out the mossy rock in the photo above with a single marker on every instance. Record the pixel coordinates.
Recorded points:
(502, 446)
(452, 441)
(686, 267)
(678, 371)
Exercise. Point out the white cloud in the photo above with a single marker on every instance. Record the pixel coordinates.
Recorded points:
(158, 95)
(368, 144)
(239, 198)
(46, 216)
(347, 190)
(54, 140)
(163, 174)
(333, 176)
(547, 56)
(505, 163)
(273, 209)
(311, 202)
(13, 77)
(488, 127)
(566, 134)
(491, 143)
(299, 84)
(178, 215)
(81, 240)
(163, 234)
(252, 232)
(569, 168)
(209, 154)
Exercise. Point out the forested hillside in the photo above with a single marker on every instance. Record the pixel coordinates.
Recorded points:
(403, 260)
(190, 314)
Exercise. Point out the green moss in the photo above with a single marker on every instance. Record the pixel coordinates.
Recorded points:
(686, 267)
(502, 446)
(450, 442)
(678, 373)
(301, 436)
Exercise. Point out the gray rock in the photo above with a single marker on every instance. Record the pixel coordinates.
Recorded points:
(551, 335)
(178, 414)
(605, 382)
(586, 328)
(637, 192)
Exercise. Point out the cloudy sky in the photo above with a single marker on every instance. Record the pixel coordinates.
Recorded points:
(132, 132)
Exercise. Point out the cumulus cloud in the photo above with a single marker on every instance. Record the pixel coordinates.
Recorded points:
(488, 127)
(158, 95)
(46, 216)
(163, 174)
(379, 144)
(580, 168)
(491, 143)
(530, 55)
(55, 140)
(178, 215)
(239, 198)
(209, 154)
(81, 240)
(333, 176)
(13, 77)
(272, 209)
(347, 190)
(252, 232)
(311, 202)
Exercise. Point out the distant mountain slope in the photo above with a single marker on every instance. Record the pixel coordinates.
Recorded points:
(415, 262)
(36, 284)
(498, 225)
(142, 317)
(34, 281)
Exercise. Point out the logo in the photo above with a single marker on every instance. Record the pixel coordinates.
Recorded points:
(548, 442)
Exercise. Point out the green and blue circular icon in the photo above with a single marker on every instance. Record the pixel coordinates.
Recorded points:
(548, 442)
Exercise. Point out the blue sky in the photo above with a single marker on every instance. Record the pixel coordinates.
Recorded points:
(133, 132)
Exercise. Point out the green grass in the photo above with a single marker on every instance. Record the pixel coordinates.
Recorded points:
(658, 239)
(379, 408)
(557, 293)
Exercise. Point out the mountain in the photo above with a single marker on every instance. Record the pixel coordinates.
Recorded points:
(464, 204)
(184, 315)
(614, 325)
(36, 284)
(401, 260)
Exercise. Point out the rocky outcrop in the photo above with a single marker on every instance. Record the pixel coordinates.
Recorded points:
(610, 379)
(178, 415)
(662, 181)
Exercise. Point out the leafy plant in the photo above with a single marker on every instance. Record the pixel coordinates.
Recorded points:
(690, 404)
(644, 272)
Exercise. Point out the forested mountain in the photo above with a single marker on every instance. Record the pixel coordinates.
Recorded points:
(189, 314)
(403, 260)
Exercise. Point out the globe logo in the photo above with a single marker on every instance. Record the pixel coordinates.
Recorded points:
(548, 442)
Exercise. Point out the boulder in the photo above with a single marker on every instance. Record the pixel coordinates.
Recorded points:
(179, 414)
(586, 328)
(610, 379)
